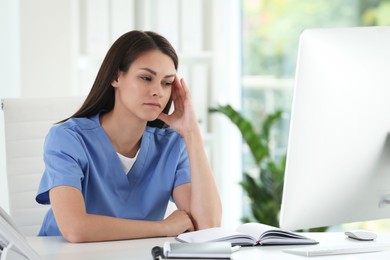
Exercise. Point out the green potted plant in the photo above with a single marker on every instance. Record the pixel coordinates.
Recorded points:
(264, 188)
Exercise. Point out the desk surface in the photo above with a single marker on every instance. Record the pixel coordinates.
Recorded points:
(57, 248)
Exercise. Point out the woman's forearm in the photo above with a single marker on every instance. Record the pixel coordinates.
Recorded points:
(91, 228)
(76, 225)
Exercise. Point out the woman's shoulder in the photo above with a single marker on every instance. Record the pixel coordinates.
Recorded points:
(76, 125)
(70, 132)
(84, 123)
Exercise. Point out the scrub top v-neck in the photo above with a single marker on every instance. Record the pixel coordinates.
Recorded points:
(78, 153)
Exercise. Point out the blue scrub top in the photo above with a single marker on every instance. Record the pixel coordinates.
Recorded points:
(78, 153)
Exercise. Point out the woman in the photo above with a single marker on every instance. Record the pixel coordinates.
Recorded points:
(112, 167)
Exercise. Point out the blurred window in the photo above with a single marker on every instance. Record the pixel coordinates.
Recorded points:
(270, 38)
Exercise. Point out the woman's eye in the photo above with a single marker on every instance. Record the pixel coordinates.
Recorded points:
(146, 78)
(167, 84)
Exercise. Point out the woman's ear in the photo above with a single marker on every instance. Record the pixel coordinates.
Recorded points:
(115, 82)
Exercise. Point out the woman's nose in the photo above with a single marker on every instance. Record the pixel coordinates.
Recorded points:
(157, 90)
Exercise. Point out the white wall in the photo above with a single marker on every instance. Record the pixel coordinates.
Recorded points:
(9, 73)
(48, 47)
(3, 180)
(54, 48)
(9, 48)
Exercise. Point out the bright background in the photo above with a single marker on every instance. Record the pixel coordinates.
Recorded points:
(234, 52)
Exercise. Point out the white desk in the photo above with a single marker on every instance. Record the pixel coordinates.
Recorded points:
(57, 248)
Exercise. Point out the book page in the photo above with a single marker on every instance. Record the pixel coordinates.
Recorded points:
(254, 229)
(269, 235)
(212, 235)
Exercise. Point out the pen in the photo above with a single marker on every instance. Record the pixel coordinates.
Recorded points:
(235, 248)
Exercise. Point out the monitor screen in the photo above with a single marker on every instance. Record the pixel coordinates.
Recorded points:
(338, 155)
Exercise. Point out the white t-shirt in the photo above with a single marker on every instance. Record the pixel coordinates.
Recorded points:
(127, 162)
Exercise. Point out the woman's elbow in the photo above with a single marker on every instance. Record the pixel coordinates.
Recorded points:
(74, 234)
(208, 224)
(210, 221)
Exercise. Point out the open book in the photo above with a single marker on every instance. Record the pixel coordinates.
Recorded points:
(246, 235)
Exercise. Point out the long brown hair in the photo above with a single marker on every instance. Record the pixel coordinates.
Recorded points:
(119, 57)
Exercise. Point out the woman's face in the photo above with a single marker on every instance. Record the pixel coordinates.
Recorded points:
(144, 90)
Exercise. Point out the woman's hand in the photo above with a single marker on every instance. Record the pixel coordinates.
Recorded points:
(183, 119)
(176, 223)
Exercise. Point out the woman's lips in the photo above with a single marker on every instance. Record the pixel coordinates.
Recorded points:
(153, 104)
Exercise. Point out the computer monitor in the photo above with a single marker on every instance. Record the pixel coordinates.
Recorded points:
(338, 155)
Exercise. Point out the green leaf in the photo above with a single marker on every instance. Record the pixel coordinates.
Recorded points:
(268, 123)
(257, 148)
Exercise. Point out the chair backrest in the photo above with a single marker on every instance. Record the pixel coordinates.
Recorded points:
(26, 123)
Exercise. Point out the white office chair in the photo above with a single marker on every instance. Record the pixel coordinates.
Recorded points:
(26, 123)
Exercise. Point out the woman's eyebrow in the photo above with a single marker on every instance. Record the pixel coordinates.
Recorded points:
(155, 73)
